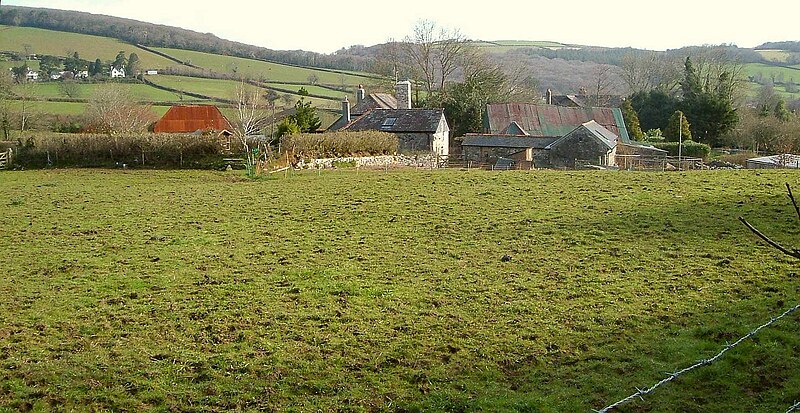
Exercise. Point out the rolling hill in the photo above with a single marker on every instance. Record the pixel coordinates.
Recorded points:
(203, 68)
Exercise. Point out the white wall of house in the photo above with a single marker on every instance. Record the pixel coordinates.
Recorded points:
(441, 139)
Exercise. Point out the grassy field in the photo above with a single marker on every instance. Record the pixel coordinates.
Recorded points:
(257, 69)
(221, 89)
(317, 90)
(779, 56)
(753, 89)
(48, 42)
(50, 90)
(401, 291)
(781, 74)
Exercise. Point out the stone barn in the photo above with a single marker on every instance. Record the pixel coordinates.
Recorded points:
(589, 143)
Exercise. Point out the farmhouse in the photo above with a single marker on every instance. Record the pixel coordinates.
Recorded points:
(554, 137)
(418, 130)
(31, 75)
(117, 72)
(364, 104)
(193, 118)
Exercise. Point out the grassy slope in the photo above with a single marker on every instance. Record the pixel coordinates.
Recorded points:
(386, 292)
(86, 90)
(782, 74)
(223, 89)
(779, 56)
(258, 69)
(55, 43)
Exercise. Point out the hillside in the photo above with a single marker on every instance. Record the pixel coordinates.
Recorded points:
(196, 77)
(148, 34)
(192, 56)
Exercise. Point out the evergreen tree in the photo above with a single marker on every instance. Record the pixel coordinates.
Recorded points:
(781, 112)
(305, 117)
(710, 111)
(631, 120)
(678, 128)
(120, 61)
(133, 64)
(653, 108)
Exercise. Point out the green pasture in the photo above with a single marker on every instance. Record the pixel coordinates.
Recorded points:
(35, 108)
(221, 89)
(48, 42)
(56, 89)
(780, 73)
(5, 66)
(399, 291)
(261, 70)
(316, 90)
(753, 89)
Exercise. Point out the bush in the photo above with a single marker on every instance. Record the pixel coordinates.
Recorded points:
(147, 150)
(339, 144)
(690, 149)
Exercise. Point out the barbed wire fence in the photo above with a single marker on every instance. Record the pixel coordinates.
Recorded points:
(640, 393)
(793, 252)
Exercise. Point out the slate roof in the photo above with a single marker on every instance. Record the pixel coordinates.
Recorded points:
(506, 141)
(374, 101)
(515, 129)
(405, 121)
(192, 118)
(550, 120)
(370, 102)
(605, 136)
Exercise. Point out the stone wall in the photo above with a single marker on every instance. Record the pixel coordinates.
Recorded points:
(391, 161)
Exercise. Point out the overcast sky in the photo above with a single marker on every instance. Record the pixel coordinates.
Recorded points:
(326, 26)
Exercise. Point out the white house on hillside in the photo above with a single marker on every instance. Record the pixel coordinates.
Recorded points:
(117, 72)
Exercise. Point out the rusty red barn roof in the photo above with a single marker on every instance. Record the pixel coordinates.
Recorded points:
(192, 118)
(549, 120)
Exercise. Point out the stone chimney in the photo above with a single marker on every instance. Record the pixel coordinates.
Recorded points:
(346, 110)
(360, 94)
(549, 98)
(403, 94)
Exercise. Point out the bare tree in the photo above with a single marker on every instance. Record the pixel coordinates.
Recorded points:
(113, 110)
(251, 117)
(793, 252)
(69, 88)
(433, 54)
(5, 107)
(643, 72)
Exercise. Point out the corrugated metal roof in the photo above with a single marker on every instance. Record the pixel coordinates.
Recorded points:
(398, 120)
(192, 118)
(549, 120)
(785, 160)
(506, 141)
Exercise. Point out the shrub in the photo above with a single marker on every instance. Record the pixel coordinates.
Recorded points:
(690, 149)
(339, 144)
(89, 150)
